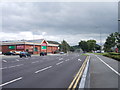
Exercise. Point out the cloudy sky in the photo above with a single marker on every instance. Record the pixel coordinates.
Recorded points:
(57, 21)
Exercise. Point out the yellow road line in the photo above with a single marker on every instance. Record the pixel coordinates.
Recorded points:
(78, 75)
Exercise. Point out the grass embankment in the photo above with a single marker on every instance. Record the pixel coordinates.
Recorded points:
(85, 54)
(111, 55)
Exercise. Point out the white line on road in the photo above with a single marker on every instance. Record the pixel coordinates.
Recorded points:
(67, 60)
(35, 62)
(59, 63)
(61, 59)
(15, 66)
(3, 68)
(108, 66)
(17, 60)
(1, 85)
(4, 60)
(43, 69)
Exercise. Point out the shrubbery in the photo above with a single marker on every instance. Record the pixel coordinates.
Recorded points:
(113, 55)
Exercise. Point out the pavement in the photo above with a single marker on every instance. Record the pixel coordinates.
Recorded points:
(104, 72)
(52, 71)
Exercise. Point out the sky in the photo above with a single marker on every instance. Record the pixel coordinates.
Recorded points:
(57, 21)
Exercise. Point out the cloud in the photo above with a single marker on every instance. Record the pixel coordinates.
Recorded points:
(56, 21)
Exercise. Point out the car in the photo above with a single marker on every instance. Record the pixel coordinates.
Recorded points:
(43, 53)
(61, 52)
(24, 54)
(17, 52)
(9, 53)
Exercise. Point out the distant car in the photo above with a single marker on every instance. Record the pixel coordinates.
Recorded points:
(24, 54)
(61, 52)
(43, 53)
(17, 52)
(9, 53)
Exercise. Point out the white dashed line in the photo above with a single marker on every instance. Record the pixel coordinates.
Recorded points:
(3, 68)
(43, 69)
(59, 63)
(4, 60)
(1, 85)
(17, 60)
(35, 62)
(61, 59)
(15, 66)
(108, 66)
(67, 60)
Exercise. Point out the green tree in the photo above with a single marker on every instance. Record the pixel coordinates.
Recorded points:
(91, 45)
(83, 45)
(110, 42)
(65, 47)
(88, 46)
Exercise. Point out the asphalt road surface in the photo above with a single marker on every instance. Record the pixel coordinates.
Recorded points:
(54, 71)
(104, 72)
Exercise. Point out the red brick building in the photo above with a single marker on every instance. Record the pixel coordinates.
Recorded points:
(31, 46)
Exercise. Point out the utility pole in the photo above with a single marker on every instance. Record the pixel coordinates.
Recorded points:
(100, 42)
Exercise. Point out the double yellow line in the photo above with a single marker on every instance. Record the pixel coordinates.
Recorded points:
(76, 80)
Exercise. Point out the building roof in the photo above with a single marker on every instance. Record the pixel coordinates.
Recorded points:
(52, 42)
(36, 41)
(31, 42)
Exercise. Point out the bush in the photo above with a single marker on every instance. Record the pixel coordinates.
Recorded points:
(113, 55)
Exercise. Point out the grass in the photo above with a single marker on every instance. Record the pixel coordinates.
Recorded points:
(85, 54)
(113, 55)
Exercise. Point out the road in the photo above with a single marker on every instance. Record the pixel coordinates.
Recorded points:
(54, 71)
(104, 72)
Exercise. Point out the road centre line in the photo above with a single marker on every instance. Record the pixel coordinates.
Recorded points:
(4, 60)
(35, 62)
(59, 62)
(67, 60)
(108, 66)
(61, 59)
(1, 85)
(3, 68)
(15, 66)
(17, 60)
(43, 69)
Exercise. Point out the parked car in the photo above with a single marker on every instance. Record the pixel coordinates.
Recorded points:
(24, 54)
(9, 53)
(17, 52)
(43, 53)
(61, 52)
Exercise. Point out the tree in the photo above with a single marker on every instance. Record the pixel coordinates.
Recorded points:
(88, 46)
(83, 45)
(64, 47)
(110, 42)
(91, 45)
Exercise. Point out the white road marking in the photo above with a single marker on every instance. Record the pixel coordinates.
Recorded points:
(35, 62)
(108, 66)
(3, 68)
(17, 60)
(61, 59)
(1, 85)
(59, 63)
(43, 69)
(79, 59)
(15, 66)
(4, 60)
(67, 60)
